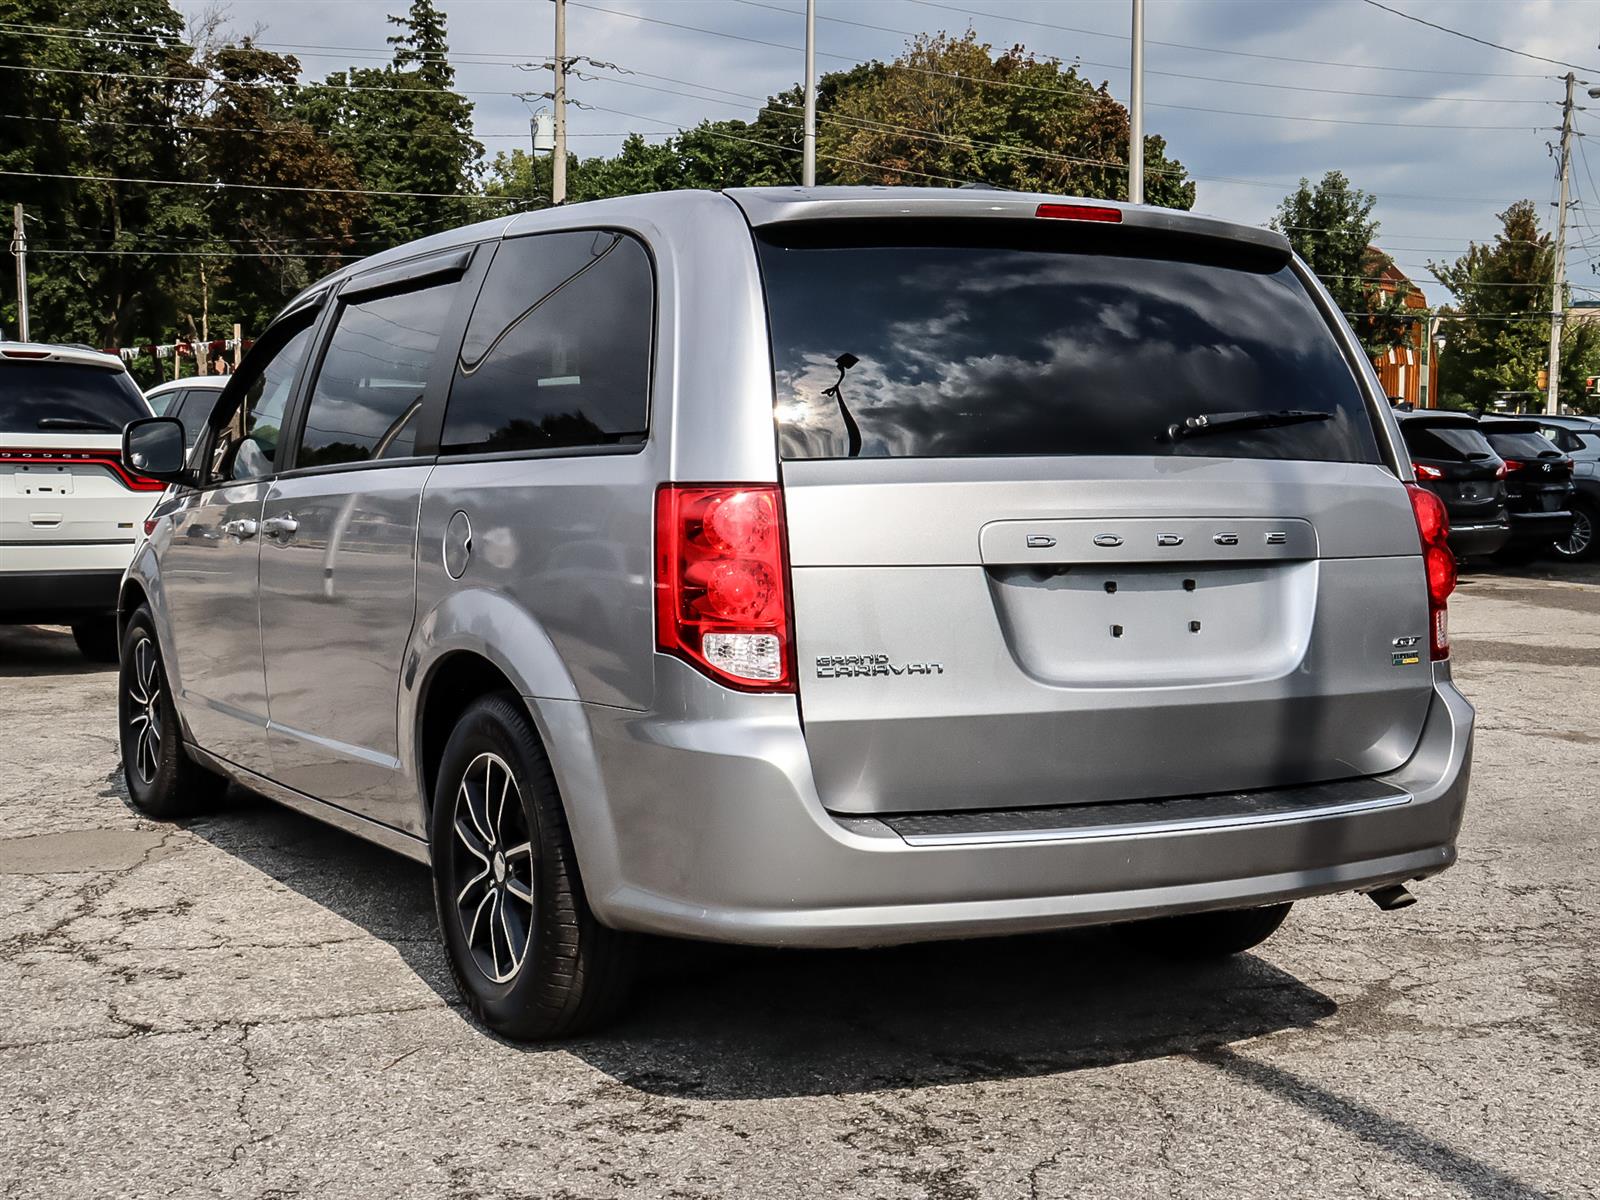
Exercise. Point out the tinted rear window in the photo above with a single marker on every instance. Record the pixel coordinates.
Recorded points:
(52, 397)
(1521, 445)
(1448, 443)
(972, 344)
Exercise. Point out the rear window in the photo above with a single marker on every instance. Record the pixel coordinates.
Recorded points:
(1519, 444)
(55, 397)
(1447, 443)
(941, 341)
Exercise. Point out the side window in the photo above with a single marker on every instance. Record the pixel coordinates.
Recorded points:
(557, 352)
(247, 444)
(165, 404)
(370, 388)
(194, 410)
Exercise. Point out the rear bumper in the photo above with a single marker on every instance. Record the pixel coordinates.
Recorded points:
(1528, 529)
(712, 829)
(1469, 540)
(57, 597)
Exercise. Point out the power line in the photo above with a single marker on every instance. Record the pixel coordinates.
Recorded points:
(1008, 83)
(1081, 62)
(1558, 62)
(257, 187)
(1309, 62)
(203, 80)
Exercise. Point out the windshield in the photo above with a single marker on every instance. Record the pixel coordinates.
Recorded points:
(56, 397)
(892, 342)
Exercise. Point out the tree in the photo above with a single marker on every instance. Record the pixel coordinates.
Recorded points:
(1331, 227)
(406, 130)
(950, 110)
(1497, 334)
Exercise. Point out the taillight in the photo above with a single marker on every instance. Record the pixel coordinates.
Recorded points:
(1512, 466)
(722, 583)
(1439, 562)
(1424, 471)
(150, 524)
(1079, 212)
(111, 460)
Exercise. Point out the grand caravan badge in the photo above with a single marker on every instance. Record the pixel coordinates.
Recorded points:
(856, 666)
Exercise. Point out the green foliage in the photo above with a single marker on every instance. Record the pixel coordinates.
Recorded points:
(1498, 333)
(1331, 227)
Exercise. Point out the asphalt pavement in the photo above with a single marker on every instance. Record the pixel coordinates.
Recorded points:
(252, 1004)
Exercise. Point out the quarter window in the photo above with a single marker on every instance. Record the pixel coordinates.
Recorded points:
(373, 377)
(557, 353)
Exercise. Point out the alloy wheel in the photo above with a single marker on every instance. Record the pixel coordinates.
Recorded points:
(144, 709)
(493, 853)
(1577, 542)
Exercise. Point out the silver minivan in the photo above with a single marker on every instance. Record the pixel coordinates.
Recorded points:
(810, 567)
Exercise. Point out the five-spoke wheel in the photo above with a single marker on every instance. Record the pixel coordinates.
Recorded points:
(495, 905)
(142, 686)
(527, 953)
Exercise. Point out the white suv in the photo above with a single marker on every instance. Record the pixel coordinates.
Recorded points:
(71, 512)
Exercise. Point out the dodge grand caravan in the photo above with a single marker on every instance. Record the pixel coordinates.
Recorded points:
(822, 567)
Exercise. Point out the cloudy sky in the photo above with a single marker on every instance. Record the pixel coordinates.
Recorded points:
(1250, 94)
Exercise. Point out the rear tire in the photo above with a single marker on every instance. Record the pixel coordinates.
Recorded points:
(527, 954)
(163, 780)
(1198, 936)
(1579, 545)
(97, 639)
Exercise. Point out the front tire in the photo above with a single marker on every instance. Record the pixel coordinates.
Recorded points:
(529, 957)
(163, 780)
(1199, 936)
(97, 639)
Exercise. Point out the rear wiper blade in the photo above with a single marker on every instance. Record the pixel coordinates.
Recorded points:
(75, 423)
(1224, 422)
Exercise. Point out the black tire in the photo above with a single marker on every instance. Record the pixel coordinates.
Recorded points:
(510, 866)
(1579, 545)
(163, 780)
(97, 640)
(1196, 936)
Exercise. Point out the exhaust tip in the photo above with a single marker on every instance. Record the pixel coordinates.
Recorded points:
(1391, 897)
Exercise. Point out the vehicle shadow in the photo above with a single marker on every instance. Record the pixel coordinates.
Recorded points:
(722, 1023)
(43, 650)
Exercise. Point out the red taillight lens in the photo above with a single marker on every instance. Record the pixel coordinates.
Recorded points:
(150, 524)
(1439, 562)
(722, 590)
(1512, 466)
(1423, 471)
(1079, 212)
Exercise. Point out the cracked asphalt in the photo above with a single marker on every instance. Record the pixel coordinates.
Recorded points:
(252, 1004)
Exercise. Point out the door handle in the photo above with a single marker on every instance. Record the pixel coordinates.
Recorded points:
(281, 527)
(243, 528)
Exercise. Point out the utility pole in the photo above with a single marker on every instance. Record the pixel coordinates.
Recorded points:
(19, 247)
(1136, 110)
(558, 160)
(1558, 282)
(808, 156)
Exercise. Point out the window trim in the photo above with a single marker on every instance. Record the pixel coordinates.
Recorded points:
(588, 451)
(314, 312)
(437, 271)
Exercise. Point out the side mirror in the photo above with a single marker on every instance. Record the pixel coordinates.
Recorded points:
(153, 446)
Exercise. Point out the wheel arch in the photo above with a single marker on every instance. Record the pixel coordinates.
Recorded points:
(476, 643)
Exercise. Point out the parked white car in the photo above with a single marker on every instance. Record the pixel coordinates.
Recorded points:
(189, 400)
(71, 512)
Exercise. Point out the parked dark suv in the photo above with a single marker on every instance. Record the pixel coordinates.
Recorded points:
(1538, 485)
(1455, 462)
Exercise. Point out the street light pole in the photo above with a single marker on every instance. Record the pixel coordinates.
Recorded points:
(1136, 110)
(558, 159)
(808, 155)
